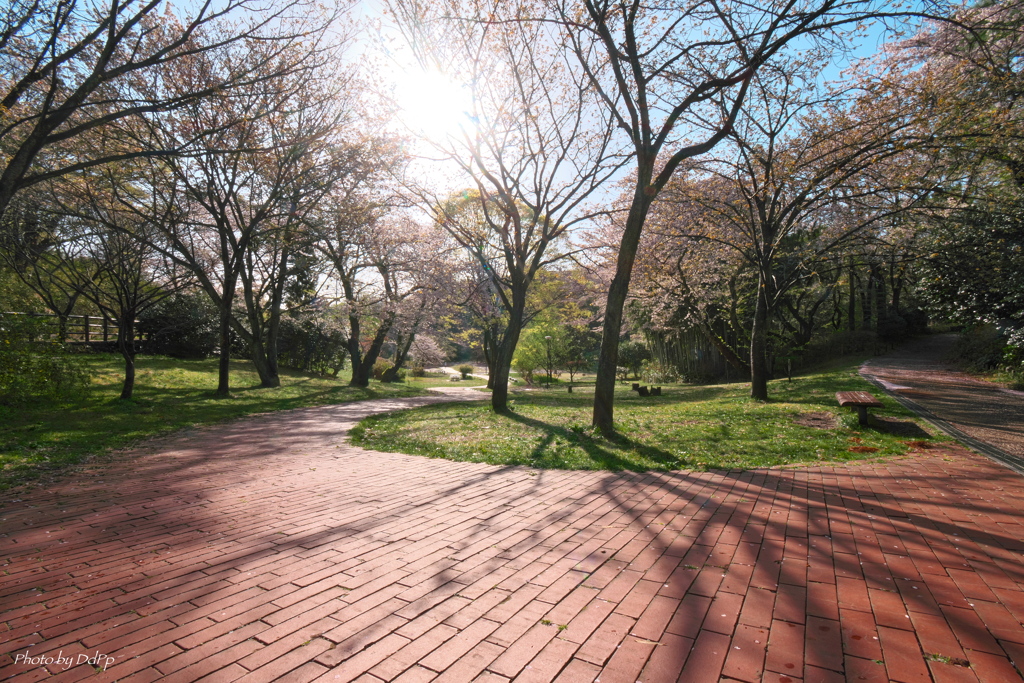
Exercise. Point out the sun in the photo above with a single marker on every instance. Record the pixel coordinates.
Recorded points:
(432, 105)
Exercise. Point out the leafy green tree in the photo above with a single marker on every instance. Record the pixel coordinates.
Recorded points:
(577, 350)
(965, 78)
(632, 355)
(973, 273)
(531, 353)
(33, 247)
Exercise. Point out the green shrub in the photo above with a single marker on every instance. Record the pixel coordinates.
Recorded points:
(1013, 359)
(184, 325)
(653, 372)
(34, 368)
(418, 371)
(465, 371)
(892, 327)
(312, 343)
(381, 366)
(979, 349)
(836, 344)
(917, 321)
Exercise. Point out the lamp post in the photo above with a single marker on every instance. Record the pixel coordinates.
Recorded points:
(547, 340)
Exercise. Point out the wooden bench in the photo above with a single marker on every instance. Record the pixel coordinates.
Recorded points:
(861, 400)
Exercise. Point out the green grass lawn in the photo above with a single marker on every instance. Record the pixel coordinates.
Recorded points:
(169, 394)
(443, 380)
(690, 427)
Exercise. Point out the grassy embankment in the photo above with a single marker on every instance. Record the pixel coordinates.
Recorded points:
(169, 394)
(689, 427)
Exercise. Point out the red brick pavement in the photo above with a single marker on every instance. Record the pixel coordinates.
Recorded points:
(269, 550)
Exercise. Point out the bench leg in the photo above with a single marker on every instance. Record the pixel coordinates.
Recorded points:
(862, 415)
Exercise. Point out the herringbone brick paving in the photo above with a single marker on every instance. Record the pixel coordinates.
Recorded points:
(269, 550)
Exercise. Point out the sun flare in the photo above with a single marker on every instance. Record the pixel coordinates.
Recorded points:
(432, 105)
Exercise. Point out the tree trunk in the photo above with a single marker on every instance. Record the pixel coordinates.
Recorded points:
(402, 346)
(489, 344)
(505, 348)
(361, 378)
(499, 393)
(805, 324)
(126, 345)
(851, 305)
(604, 385)
(62, 327)
(401, 354)
(258, 335)
(274, 324)
(224, 365)
(880, 295)
(837, 309)
(273, 332)
(255, 338)
(867, 295)
(355, 351)
(758, 344)
(261, 361)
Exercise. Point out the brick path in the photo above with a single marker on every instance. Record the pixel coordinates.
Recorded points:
(268, 550)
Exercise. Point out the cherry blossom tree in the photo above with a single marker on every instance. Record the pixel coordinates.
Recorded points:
(674, 77)
(74, 71)
(535, 148)
(801, 175)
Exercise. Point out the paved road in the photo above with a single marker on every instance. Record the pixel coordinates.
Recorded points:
(269, 549)
(982, 410)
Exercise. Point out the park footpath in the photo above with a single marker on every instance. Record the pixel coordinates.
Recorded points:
(268, 549)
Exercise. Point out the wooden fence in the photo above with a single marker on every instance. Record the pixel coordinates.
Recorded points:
(80, 329)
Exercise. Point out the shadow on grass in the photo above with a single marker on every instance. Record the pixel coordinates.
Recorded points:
(601, 456)
(821, 389)
(687, 394)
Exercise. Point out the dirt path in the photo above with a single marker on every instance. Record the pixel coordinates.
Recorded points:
(981, 410)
